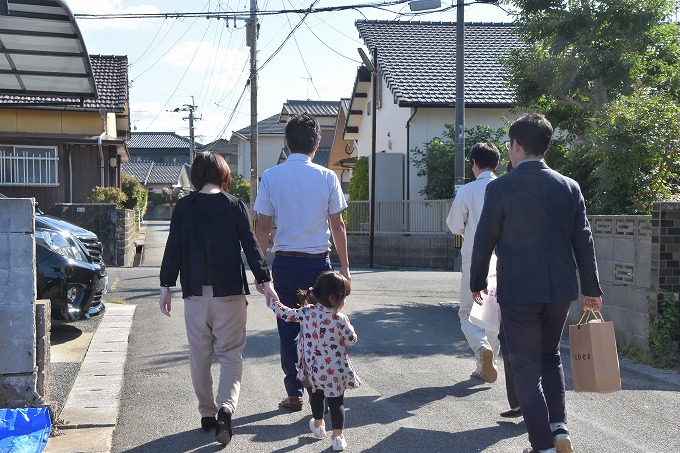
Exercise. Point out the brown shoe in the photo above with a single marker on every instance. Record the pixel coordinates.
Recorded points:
(292, 403)
(489, 373)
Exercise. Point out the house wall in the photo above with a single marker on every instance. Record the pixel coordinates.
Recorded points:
(391, 132)
(268, 152)
(50, 122)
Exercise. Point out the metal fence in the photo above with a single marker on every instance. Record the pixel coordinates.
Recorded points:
(413, 217)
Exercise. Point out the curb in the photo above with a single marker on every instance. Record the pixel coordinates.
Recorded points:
(92, 407)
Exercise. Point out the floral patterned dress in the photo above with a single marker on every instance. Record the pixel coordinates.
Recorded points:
(324, 334)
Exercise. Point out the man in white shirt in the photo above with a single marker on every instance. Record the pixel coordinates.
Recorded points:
(462, 220)
(305, 201)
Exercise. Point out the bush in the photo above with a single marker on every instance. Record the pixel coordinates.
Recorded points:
(135, 193)
(358, 183)
(240, 187)
(108, 195)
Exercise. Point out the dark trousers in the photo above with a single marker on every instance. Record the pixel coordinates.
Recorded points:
(533, 333)
(290, 274)
(317, 401)
(513, 401)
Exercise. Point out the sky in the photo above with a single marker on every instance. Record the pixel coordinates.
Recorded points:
(175, 62)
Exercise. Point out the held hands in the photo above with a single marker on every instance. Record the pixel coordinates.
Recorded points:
(267, 289)
(592, 303)
(165, 302)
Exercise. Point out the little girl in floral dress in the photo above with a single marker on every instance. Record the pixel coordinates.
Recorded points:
(323, 364)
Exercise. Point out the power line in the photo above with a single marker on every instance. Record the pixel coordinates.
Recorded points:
(240, 15)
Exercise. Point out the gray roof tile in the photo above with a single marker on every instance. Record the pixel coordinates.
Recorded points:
(153, 173)
(158, 140)
(110, 74)
(140, 170)
(417, 59)
(267, 126)
(314, 108)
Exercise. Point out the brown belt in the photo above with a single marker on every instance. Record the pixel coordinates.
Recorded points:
(302, 254)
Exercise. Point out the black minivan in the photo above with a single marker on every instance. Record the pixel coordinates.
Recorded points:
(70, 270)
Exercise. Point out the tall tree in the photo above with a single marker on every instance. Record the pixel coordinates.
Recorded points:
(605, 73)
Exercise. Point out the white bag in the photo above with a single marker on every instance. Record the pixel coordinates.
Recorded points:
(488, 315)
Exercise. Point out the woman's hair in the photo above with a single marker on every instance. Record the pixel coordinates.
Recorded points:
(330, 290)
(210, 167)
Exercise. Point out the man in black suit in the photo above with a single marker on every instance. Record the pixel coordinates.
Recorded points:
(535, 220)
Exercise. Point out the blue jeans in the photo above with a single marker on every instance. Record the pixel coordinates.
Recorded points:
(290, 274)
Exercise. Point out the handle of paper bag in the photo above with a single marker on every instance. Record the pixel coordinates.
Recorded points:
(589, 312)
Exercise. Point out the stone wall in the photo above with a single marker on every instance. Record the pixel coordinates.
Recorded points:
(125, 237)
(17, 304)
(114, 227)
(161, 212)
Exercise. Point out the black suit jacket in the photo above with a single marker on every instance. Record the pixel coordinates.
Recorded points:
(535, 219)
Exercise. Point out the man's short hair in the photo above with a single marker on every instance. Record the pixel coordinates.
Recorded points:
(210, 167)
(485, 154)
(533, 131)
(303, 133)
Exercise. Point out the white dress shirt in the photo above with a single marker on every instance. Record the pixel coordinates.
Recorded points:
(300, 195)
(466, 211)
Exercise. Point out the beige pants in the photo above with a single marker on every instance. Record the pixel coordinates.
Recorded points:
(216, 325)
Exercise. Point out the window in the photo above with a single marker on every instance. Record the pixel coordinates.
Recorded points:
(28, 166)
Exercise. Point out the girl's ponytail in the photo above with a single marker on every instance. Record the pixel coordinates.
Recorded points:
(305, 297)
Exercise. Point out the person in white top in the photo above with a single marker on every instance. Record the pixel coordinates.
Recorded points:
(462, 220)
(305, 201)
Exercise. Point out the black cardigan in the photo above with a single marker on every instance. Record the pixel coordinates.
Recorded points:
(220, 224)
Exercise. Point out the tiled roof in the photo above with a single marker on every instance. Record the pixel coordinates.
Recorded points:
(111, 76)
(267, 126)
(157, 140)
(314, 108)
(140, 170)
(153, 173)
(418, 59)
(321, 156)
(166, 173)
(221, 146)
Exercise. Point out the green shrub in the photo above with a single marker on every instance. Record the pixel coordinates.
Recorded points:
(108, 195)
(135, 193)
(358, 183)
(240, 187)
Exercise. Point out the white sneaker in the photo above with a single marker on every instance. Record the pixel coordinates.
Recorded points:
(319, 432)
(339, 443)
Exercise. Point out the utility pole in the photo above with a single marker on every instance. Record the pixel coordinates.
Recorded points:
(252, 31)
(190, 108)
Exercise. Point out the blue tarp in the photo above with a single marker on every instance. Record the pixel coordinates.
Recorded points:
(24, 430)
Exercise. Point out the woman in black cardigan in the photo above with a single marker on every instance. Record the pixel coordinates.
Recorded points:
(207, 232)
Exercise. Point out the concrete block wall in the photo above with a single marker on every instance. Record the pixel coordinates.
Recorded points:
(623, 247)
(427, 252)
(17, 303)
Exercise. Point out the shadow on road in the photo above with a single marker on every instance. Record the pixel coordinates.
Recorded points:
(62, 333)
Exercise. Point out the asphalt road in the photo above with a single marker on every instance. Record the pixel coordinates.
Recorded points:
(415, 366)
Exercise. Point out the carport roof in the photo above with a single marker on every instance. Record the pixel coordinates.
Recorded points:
(42, 52)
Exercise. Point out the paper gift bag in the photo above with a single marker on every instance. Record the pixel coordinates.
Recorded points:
(488, 315)
(594, 358)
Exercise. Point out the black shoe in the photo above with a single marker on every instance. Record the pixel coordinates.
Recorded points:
(512, 413)
(208, 423)
(223, 430)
